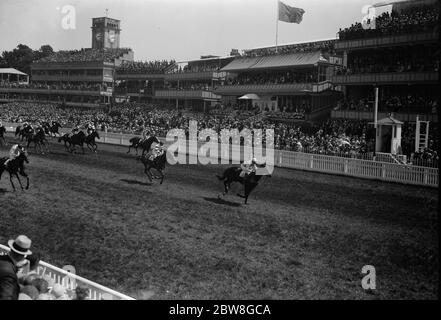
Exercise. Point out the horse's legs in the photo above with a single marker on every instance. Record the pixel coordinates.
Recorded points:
(10, 179)
(27, 178)
(162, 176)
(19, 181)
(147, 172)
(88, 147)
(95, 147)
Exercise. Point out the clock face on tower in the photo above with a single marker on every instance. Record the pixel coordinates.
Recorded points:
(112, 36)
(99, 36)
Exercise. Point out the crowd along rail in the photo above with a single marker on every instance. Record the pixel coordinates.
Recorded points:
(70, 281)
(360, 168)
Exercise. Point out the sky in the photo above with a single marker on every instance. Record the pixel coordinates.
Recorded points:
(173, 29)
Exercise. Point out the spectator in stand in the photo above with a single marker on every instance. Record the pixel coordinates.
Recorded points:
(81, 293)
(29, 291)
(19, 249)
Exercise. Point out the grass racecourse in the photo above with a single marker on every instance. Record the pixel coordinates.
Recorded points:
(303, 235)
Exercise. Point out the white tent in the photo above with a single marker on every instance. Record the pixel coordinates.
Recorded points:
(250, 96)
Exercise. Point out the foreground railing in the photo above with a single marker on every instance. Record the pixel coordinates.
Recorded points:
(70, 281)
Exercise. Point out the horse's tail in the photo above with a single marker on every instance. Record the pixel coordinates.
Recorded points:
(132, 140)
(220, 178)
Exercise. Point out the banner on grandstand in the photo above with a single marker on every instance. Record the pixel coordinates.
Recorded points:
(290, 14)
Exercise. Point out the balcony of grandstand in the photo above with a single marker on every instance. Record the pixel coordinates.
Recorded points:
(288, 79)
(182, 84)
(400, 56)
(75, 77)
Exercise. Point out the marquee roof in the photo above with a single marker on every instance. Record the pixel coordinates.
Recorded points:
(12, 71)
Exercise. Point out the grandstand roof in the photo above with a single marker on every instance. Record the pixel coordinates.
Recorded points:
(12, 71)
(276, 61)
(388, 121)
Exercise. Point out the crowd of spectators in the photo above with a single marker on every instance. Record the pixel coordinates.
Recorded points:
(85, 86)
(86, 55)
(413, 19)
(145, 67)
(283, 77)
(193, 67)
(416, 59)
(324, 46)
(330, 137)
(414, 103)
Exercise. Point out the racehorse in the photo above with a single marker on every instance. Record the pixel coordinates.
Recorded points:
(90, 140)
(65, 137)
(24, 132)
(39, 139)
(2, 135)
(157, 163)
(249, 182)
(137, 142)
(14, 167)
(77, 139)
(53, 129)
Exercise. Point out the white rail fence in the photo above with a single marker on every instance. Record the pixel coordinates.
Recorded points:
(70, 281)
(368, 169)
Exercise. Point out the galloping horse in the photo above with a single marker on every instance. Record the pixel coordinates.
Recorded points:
(157, 163)
(65, 137)
(232, 174)
(137, 142)
(14, 167)
(53, 129)
(77, 139)
(39, 139)
(90, 140)
(24, 132)
(2, 135)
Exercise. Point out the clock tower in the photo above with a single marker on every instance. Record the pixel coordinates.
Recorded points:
(105, 33)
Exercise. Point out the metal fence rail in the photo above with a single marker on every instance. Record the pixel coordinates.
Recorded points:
(70, 281)
(361, 168)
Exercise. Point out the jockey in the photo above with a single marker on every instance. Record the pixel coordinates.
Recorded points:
(145, 135)
(90, 128)
(75, 130)
(248, 167)
(14, 152)
(157, 151)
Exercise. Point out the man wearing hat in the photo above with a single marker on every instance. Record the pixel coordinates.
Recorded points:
(9, 287)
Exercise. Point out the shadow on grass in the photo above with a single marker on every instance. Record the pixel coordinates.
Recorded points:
(222, 201)
(129, 181)
(3, 190)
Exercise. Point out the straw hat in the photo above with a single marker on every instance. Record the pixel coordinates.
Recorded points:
(21, 245)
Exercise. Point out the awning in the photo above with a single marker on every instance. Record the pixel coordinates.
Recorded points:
(276, 61)
(12, 71)
(388, 121)
(250, 96)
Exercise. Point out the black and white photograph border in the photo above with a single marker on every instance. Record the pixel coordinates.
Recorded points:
(237, 150)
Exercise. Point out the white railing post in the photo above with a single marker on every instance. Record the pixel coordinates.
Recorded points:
(425, 176)
(311, 161)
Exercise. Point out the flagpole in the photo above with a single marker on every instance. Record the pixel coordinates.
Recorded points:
(277, 25)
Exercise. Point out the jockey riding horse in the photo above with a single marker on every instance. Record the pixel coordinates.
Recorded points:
(2, 134)
(14, 165)
(38, 138)
(245, 175)
(156, 160)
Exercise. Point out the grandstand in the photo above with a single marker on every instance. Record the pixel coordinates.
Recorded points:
(400, 56)
(83, 78)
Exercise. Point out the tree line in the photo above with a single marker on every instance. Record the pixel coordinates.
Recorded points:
(22, 57)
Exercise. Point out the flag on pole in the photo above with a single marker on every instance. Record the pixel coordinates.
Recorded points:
(290, 14)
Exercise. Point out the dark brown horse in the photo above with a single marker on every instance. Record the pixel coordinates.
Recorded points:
(15, 167)
(249, 182)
